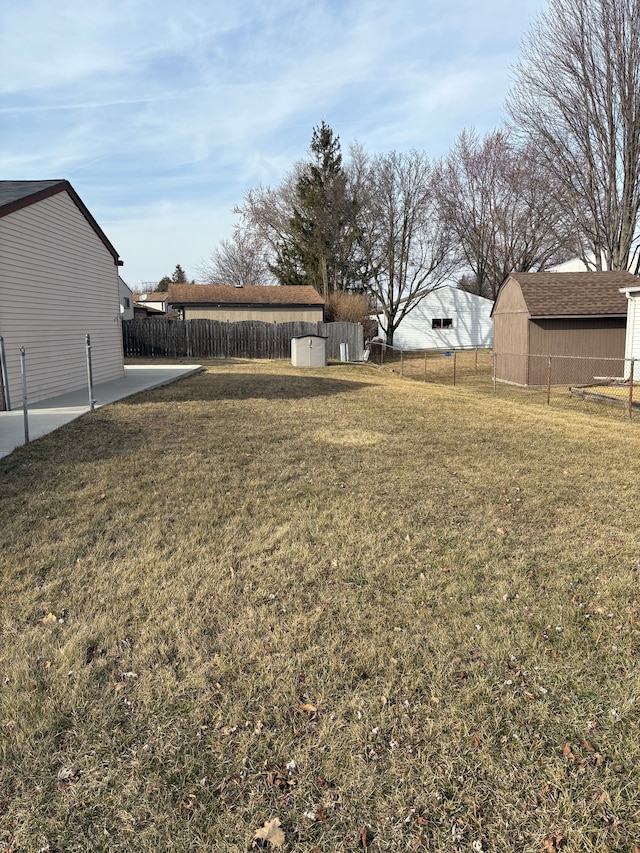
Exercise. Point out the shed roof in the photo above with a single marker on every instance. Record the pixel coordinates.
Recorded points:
(14, 195)
(574, 294)
(228, 294)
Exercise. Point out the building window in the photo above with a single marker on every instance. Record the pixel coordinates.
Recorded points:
(127, 302)
(442, 323)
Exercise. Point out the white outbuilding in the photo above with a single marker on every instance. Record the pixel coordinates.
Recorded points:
(447, 318)
(632, 339)
(58, 283)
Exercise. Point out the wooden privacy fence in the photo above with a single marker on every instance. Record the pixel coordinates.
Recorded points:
(244, 339)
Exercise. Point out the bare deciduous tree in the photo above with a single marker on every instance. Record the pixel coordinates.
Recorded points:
(577, 99)
(240, 260)
(501, 211)
(406, 244)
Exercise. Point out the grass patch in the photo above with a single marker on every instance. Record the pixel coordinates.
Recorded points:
(380, 611)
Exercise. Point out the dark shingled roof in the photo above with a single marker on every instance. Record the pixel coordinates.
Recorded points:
(14, 195)
(227, 294)
(17, 191)
(575, 294)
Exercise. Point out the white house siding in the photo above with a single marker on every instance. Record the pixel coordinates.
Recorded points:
(632, 340)
(471, 322)
(58, 282)
(126, 300)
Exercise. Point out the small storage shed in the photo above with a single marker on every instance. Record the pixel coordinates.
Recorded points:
(447, 318)
(570, 314)
(309, 351)
(58, 282)
(632, 340)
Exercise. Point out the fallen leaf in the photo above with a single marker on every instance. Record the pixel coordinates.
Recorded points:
(476, 740)
(553, 843)
(364, 838)
(566, 751)
(308, 707)
(50, 619)
(270, 833)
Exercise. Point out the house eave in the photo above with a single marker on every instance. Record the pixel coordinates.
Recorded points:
(48, 192)
(616, 316)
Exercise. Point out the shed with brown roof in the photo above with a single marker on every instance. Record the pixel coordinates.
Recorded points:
(229, 303)
(579, 317)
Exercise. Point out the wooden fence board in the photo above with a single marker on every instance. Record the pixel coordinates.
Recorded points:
(246, 339)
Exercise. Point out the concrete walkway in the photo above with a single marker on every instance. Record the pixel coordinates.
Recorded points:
(47, 415)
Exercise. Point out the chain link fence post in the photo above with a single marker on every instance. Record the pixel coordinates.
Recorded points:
(5, 376)
(631, 389)
(92, 402)
(25, 407)
(549, 381)
(494, 359)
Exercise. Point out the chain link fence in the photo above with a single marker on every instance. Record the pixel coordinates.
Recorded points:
(607, 385)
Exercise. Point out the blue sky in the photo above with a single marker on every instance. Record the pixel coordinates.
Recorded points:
(163, 114)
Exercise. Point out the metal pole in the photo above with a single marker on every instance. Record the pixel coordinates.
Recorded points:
(549, 381)
(92, 402)
(476, 359)
(425, 365)
(631, 390)
(25, 408)
(494, 373)
(454, 368)
(401, 364)
(5, 375)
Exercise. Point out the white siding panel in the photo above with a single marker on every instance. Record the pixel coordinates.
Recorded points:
(471, 316)
(632, 342)
(58, 283)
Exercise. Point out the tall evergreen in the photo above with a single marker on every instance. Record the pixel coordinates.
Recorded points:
(319, 249)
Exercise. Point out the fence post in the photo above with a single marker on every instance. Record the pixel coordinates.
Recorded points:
(631, 390)
(549, 381)
(425, 365)
(494, 360)
(476, 359)
(92, 402)
(25, 407)
(454, 368)
(401, 364)
(5, 376)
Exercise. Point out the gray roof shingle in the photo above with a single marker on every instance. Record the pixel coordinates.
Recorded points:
(575, 294)
(227, 294)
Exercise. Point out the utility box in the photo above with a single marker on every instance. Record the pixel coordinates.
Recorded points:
(309, 351)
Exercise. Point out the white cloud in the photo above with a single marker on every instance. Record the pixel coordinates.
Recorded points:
(162, 114)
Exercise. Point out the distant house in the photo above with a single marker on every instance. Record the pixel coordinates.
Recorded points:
(447, 318)
(151, 304)
(228, 303)
(578, 265)
(632, 338)
(58, 283)
(126, 300)
(580, 316)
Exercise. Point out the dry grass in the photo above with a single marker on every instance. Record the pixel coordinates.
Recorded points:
(377, 610)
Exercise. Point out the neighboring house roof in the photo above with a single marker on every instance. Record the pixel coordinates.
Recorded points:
(161, 296)
(227, 294)
(573, 294)
(15, 195)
